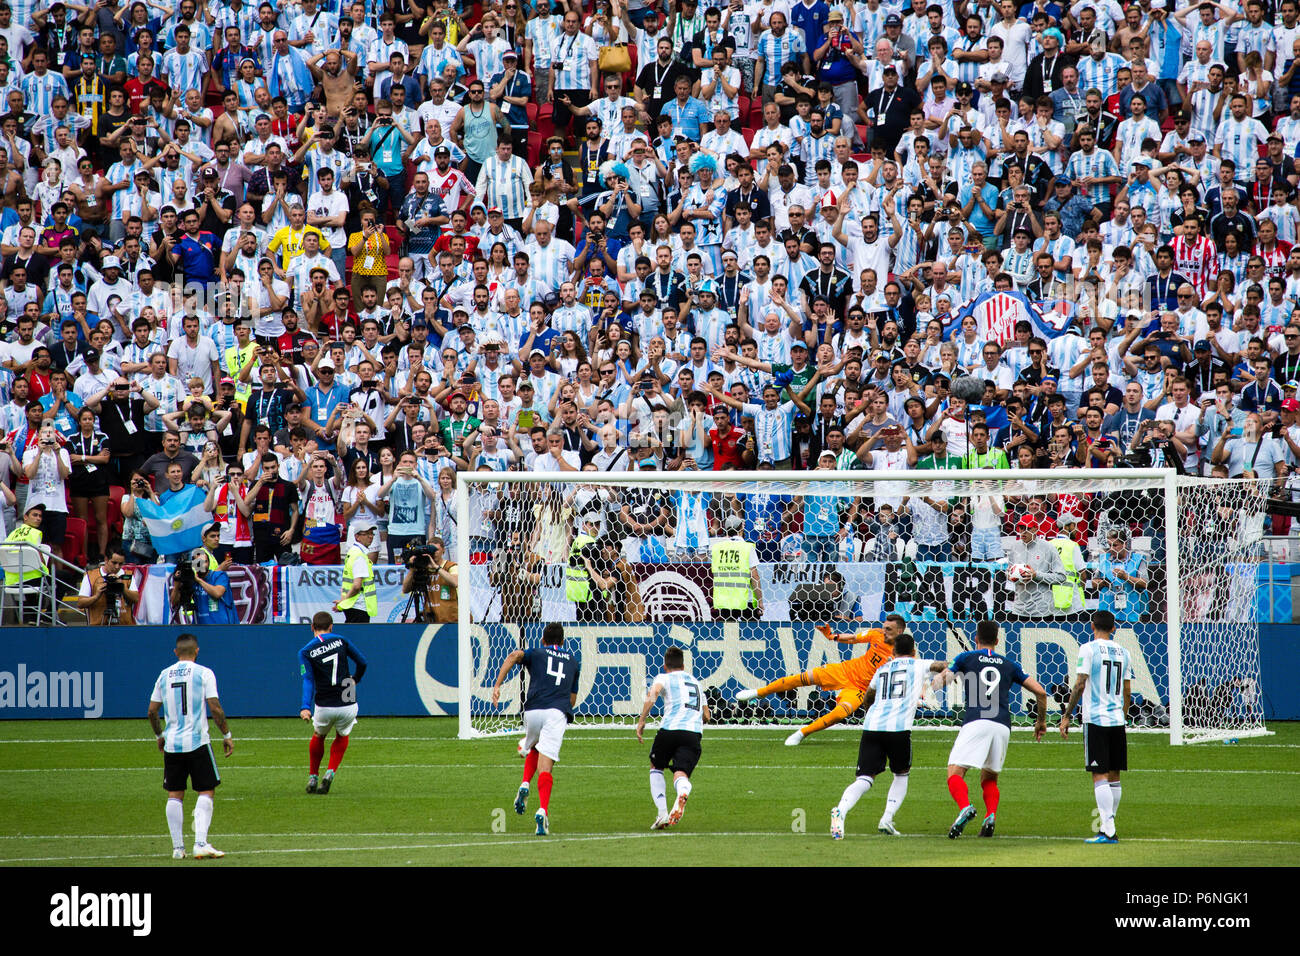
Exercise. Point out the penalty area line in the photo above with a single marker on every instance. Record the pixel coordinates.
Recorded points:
(609, 837)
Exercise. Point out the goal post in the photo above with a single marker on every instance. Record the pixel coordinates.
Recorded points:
(1175, 558)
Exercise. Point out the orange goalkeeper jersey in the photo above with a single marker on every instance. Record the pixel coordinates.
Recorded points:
(859, 671)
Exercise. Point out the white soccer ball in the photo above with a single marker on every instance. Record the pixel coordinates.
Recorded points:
(519, 747)
(1019, 572)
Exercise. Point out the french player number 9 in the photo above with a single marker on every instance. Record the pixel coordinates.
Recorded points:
(990, 678)
(349, 687)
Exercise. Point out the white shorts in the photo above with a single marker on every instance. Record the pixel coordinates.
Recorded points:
(342, 719)
(544, 729)
(981, 743)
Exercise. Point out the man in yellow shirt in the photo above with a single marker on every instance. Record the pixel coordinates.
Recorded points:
(238, 357)
(288, 239)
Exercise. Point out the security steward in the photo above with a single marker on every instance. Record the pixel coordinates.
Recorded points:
(737, 593)
(359, 580)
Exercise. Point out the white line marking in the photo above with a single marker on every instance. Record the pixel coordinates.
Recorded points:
(590, 838)
(569, 768)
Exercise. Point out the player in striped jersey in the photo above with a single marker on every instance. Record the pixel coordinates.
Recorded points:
(891, 701)
(1105, 675)
(327, 683)
(183, 695)
(850, 679)
(677, 744)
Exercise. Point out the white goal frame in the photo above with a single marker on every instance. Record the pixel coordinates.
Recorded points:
(1169, 481)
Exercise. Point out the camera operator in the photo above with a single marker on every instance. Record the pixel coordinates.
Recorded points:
(202, 587)
(104, 593)
(428, 568)
(1155, 445)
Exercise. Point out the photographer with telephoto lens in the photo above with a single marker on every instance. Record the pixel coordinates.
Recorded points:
(105, 593)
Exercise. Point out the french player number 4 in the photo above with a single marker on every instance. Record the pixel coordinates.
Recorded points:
(555, 669)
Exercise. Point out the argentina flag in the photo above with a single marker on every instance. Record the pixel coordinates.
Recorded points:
(177, 525)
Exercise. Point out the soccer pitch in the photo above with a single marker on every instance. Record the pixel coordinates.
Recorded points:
(89, 793)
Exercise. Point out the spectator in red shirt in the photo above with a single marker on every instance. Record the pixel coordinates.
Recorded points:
(726, 440)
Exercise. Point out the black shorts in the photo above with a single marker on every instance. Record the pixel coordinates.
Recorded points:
(54, 527)
(198, 766)
(1105, 749)
(877, 746)
(678, 750)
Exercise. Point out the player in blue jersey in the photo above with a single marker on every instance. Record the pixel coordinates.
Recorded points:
(1104, 679)
(548, 708)
(677, 744)
(986, 723)
(895, 690)
(184, 694)
(327, 682)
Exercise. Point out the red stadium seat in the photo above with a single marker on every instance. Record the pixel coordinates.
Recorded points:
(531, 109)
(74, 542)
(749, 136)
(862, 133)
(535, 141)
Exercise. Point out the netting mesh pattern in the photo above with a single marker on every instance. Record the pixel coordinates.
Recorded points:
(749, 574)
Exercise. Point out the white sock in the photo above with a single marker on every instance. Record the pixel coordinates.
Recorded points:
(659, 790)
(202, 818)
(853, 793)
(897, 793)
(176, 823)
(683, 786)
(1116, 791)
(1105, 807)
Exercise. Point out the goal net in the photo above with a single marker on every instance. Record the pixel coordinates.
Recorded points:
(754, 574)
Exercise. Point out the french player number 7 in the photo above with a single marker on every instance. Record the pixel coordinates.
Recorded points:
(555, 669)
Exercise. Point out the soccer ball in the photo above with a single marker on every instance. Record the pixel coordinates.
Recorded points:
(1019, 572)
(519, 748)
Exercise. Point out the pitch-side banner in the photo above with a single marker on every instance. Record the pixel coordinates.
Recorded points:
(684, 592)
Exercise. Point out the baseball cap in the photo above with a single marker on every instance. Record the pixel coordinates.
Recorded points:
(537, 352)
(441, 151)
(367, 528)
(92, 355)
(893, 20)
(1290, 405)
(1292, 384)
(835, 15)
(230, 381)
(111, 262)
(1062, 180)
(1026, 521)
(35, 507)
(963, 88)
(326, 362)
(510, 55)
(1195, 137)
(999, 77)
(1202, 345)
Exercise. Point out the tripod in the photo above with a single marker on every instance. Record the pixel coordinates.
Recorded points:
(417, 605)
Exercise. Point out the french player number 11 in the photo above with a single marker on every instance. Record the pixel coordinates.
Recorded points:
(555, 669)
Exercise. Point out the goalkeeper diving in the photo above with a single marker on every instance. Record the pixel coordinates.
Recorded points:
(850, 679)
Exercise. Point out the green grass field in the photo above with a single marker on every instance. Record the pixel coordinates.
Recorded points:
(88, 793)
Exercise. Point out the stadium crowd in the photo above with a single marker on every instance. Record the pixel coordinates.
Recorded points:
(317, 258)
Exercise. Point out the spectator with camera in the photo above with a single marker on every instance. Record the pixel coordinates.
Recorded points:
(200, 587)
(105, 594)
(408, 496)
(47, 467)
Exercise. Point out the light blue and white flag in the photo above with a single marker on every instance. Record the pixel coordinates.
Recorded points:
(177, 525)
